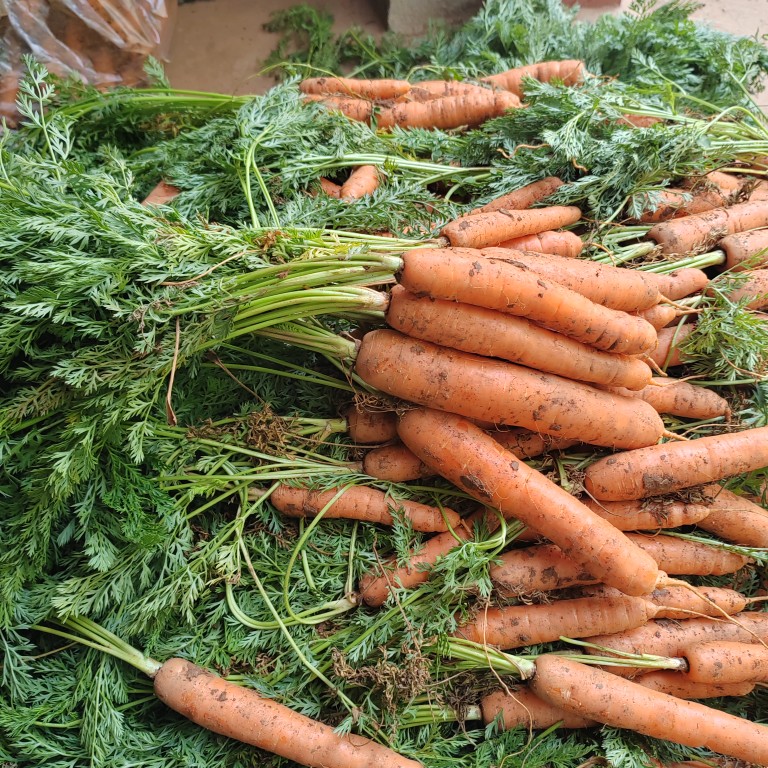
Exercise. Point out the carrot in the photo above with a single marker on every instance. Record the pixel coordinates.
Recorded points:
(366, 426)
(377, 90)
(483, 229)
(680, 283)
(462, 453)
(754, 288)
(521, 708)
(364, 180)
(162, 194)
(648, 514)
(517, 626)
(449, 112)
(330, 188)
(680, 686)
(527, 445)
(725, 184)
(502, 393)
(560, 243)
(570, 71)
(735, 518)
(615, 287)
(361, 503)
(498, 284)
(760, 191)
(639, 121)
(679, 398)
(621, 703)
(354, 109)
(522, 198)
(241, 713)
(669, 467)
(437, 89)
(658, 316)
(395, 463)
(726, 661)
(667, 353)
(751, 246)
(487, 332)
(692, 233)
(673, 203)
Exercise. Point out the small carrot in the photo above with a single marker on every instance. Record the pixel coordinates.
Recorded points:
(376, 90)
(485, 229)
(680, 283)
(527, 445)
(161, 194)
(522, 198)
(570, 71)
(330, 187)
(361, 503)
(669, 467)
(426, 90)
(658, 316)
(353, 108)
(735, 518)
(394, 463)
(560, 243)
(667, 353)
(364, 180)
(726, 661)
(487, 332)
(366, 426)
(521, 708)
(679, 685)
(759, 192)
(622, 703)
(751, 247)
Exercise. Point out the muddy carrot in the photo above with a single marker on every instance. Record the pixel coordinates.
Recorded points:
(667, 353)
(377, 90)
(724, 661)
(751, 247)
(560, 243)
(367, 426)
(570, 71)
(522, 198)
(680, 686)
(735, 518)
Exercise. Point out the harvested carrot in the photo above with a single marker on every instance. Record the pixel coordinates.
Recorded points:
(493, 227)
(668, 353)
(648, 514)
(669, 467)
(361, 503)
(367, 426)
(462, 453)
(697, 232)
(521, 708)
(469, 109)
(241, 713)
(161, 194)
(560, 243)
(726, 661)
(395, 463)
(330, 187)
(621, 703)
(354, 109)
(725, 184)
(377, 90)
(754, 288)
(639, 121)
(659, 316)
(522, 198)
(680, 398)
(616, 287)
(751, 247)
(570, 71)
(735, 518)
(364, 180)
(759, 192)
(527, 445)
(487, 332)
(498, 284)
(680, 283)
(680, 686)
(502, 393)
(438, 89)
(673, 203)
(517, 626)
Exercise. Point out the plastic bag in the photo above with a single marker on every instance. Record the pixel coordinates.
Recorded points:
(105, 42)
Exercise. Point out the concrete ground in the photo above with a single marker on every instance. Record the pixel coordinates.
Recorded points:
(219, 45)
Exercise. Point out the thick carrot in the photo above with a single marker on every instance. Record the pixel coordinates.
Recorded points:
(526, 444)
(615, 287)
(680, 283)
(692, 233)
(659, 316)
(377, 90)
(367, 426)
(669, 467)
(570, 71)
(497, 284)
(724, 184)
(462, 453)
(241, 713)
(161, 194)
(639, 121)
(560, 243)
(751, 246)
(361, 503)
(667, 353)
(754, 288)
(735, 518)
(468, 109)
(648, 514)
(331, 188)
(680, 685)
(355, 109)
(484, 229)
(680, 398)
(490, 333)
(521, 708)
(522, 198)
(726, 661)
(621, 703)
(502, 393)
(363, 181)
(673, 203)
(395, 463)
(759, 193)
(437, 89)
(517, 626)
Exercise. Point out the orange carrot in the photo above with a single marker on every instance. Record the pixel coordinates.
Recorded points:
(354, 109)
(724, 661)
(527, 445)
(673, 203)
(615, 287)
(330, 188)
(361, 503)
(680, 686)
(437, 89)
(759, 192)
(483, 229)
(241, 713)
(395, 463)
(659, 316)
(735, 518)
(522, 198)
(639, 121)
(380, 90)
(621, 703)
(361, 182)
(751, 246)
(754, 288)
(487, 332)
(669, 467)
(570, 71)
(497, 284)
(521, 708)
(680, 283)
(560, 243)
(649, 514)
(517, 626)
(680, 398)
(366, 426)
(462, 453)
(449, 380)
(161, 194)
(667, 353)
(449, 112)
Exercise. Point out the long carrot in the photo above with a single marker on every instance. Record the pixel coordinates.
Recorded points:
(426, 90)
(331, 188)
(680, 686)
(667, 353)
(754, 288)
(659, 316)
(484, 229)
(487, 332)
(726, 661)
(735, 518)
(673, 203)
(502, 393)
(522, 198)
(353, 108)
(377, 90)
(361, 503)
(680, 283)
(497, 284)
(363, 181)
(527, 445)
(462, 453)
(570, 71)
(560, 243)
(521, 708)
(621, 703)
(751, 246)
(669, 467)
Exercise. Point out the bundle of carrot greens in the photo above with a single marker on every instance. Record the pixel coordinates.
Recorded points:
(411, 416)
